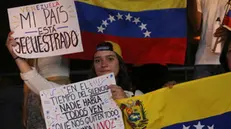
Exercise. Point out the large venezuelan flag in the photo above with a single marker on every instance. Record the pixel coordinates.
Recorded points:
(148, 31)
(200, 104)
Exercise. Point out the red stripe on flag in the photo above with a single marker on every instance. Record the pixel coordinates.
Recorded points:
(227, 21)
(137, 50)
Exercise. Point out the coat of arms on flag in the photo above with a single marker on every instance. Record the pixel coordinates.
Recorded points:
(198, 104)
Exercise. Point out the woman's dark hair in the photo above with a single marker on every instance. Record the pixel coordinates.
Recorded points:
(122, 79)
(223, 56)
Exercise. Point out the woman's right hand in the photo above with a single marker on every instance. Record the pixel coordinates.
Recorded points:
(117, 92)
(22, 64)
(10, 43)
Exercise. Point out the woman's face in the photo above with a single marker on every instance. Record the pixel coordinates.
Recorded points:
(106, 62)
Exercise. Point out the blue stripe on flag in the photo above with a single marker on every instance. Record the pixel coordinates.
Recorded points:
(165, 23)
(222, 121)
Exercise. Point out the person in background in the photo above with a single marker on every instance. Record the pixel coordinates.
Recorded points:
(203, 15)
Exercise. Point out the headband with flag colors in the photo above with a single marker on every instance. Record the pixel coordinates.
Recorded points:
(148, 31)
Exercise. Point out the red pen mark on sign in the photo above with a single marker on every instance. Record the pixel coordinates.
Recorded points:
(107, 124)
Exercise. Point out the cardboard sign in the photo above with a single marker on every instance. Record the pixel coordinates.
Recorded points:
(45, 29)
(83, 105)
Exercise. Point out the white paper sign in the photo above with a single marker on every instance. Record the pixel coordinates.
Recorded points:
(83, 105)
(45, 29)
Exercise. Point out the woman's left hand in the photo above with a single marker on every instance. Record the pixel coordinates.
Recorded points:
(117, 92)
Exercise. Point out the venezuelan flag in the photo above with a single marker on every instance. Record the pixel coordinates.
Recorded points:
(200, 104)
(148, 31)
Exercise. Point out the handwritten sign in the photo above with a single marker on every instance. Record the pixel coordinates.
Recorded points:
(83, 105)
(45, 29)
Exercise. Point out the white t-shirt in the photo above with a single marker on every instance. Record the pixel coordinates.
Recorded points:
(52, 66)
(211, 10)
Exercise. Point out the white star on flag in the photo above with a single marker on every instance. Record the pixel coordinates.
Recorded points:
(199, 126)
(136, 20)
(211, 127)
(147, 34)
(143, 26)
(119, 16)
(186, 127)
(128, 17)
(101, 29)
(111, 18)
(105, 23)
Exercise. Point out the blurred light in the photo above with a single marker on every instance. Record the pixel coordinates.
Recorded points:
(197, 38)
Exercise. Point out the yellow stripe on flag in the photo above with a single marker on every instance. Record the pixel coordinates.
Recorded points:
(137, 5)
(185, 102)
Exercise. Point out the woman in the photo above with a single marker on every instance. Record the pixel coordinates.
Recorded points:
(107, 59)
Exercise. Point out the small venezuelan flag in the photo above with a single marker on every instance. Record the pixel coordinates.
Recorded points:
(227, 17)
(148, 31)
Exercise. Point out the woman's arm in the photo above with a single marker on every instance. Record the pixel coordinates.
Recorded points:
(21, 63)
(36, 82)
(30, 76)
